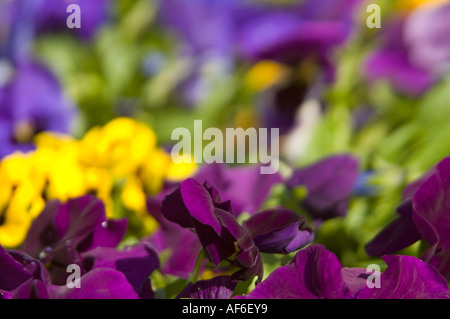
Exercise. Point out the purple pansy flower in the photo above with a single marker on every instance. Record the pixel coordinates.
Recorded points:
(316, 273)
(62, 232)
(197, 206)
(30, 103)
(425, 214)
(279, 231)
(329, 183)
(244, 186)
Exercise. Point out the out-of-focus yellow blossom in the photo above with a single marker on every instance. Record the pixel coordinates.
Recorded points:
(58, 159)
(20, 197)
(264, 74)
(133, 196)
(120, 146)
(178, 172)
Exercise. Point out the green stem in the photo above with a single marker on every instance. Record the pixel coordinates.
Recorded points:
(198, 265)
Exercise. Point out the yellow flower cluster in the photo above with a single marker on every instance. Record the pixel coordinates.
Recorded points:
(120, 158)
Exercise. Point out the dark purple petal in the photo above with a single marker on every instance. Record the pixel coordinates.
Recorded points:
(247, 256)
(33, 266)
(313, 273)
(408, 277)
(135, 262)
(221, 287)
(99, 283)
(174, 209)
(217, 246)
(12, 274)
(199, 203)
(431, 205)
(441, 260)
(32, 289)
(279, 231)
(399, 234)
(329, 183)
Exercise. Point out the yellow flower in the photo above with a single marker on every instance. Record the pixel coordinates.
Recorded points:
(133, 196)
(120, 146)
(58, 158)
(180, 171)
(160, 166)
(20, 197)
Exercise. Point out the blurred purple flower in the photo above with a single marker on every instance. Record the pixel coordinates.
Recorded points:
(329, 183)
(32, 102)
(279, 231)
(295, 32)
(316, 273)
(244, 186)
(52, 16)
(259, 31)
(196, 206)
(223, 30)
(403, 57)
(427, 37)
(62, 232)
(33, 17)
(425, 214)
